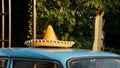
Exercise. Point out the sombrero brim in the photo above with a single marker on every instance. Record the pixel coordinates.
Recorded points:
(49, 43)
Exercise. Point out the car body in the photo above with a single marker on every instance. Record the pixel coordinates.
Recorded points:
(56, 58)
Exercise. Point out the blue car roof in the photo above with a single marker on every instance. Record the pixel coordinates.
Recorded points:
(61, 55)
(51, 52)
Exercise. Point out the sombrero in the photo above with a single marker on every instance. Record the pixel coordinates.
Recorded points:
(49, 40)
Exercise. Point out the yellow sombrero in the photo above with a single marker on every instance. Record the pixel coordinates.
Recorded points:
(49, 40)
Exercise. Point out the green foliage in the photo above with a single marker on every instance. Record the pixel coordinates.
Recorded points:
(30, 30)
(71, 19)
(112, 49)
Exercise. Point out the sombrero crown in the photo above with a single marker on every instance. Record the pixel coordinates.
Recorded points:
(49, 40)
(50, 34)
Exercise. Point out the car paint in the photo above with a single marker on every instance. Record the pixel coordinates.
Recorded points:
(58, 55)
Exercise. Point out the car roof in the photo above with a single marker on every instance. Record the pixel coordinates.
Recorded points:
(59, 54)
(51, 52)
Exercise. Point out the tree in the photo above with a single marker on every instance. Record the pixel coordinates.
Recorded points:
(71, 19)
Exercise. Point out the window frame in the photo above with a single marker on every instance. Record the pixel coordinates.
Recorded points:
(7, 60)
(35, 60)
(94, 57)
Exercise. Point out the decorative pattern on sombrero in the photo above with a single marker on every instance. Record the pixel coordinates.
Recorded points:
(52, 43)
(49, 41)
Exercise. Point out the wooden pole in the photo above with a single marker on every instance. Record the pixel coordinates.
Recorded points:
(3, 23)
(34, 16)
(9, 24)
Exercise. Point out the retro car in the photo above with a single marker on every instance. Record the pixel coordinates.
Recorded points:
(57, 58)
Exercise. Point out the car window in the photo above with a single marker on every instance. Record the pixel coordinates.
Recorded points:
(95, 63)
(31, 64)
(3, 63)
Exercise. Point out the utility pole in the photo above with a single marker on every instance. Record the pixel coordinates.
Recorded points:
(34, 16)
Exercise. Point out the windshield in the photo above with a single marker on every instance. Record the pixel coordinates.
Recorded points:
(95, 63)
